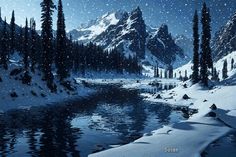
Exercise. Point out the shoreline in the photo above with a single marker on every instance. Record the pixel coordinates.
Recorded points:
(206, 128)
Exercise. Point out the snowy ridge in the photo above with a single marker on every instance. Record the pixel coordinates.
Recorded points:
(130, 35)
(225, 39)
(88, 32)
(218, 65)
(15, 95)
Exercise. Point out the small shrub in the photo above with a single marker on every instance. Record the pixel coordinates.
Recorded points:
(33, 93)
(67, 85)
(43, 95)
(26, 79)
(15, 72)
(13, 95)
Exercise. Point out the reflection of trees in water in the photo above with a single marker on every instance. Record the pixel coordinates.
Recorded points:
(122, 112)
(161, 111)
(48, 129)
(3, 141)
(52, 127)
(58, 137)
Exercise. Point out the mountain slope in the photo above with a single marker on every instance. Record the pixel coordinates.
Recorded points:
(129, 34)
(225, 40)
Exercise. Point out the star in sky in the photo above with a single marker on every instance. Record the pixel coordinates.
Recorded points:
(177, 14)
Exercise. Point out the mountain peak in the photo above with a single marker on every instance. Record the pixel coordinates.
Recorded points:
(136, 13)
(225, 39)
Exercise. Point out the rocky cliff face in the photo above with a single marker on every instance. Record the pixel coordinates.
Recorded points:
(130, 35)
(162, 45)
(225, 40)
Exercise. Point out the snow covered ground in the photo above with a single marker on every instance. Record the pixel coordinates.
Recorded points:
(218, 65)
(186, 138)
(15, 95)
(189, 137)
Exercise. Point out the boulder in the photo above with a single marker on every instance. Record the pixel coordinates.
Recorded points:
(158, 96)
(213, 107)
(186, 97)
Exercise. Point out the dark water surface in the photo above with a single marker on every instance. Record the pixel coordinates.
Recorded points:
(114, 116)
(223, 147)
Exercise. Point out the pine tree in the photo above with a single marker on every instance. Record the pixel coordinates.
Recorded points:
(195, 74)
(26, 46)
(225, 70)
(21, 39)
(215, 75)
(47, 47)
(232, 64)
(4, 46)
(12, 32)
(204, 46)
(33, 44)
(165, 74)
(61, 56)
(157, 72)
(186, 75)
(208, 39)
(170, 69)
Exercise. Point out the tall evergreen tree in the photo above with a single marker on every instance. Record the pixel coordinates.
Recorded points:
(195, 74)
(215, 75)
(208, 39)
(171, 71)
(225, 70)
(12, 32)
(33, 44)
(47, 47)
(232, 64)
(204, 46)
(61, 56)
(21, 39)
(26, 46)
(4, 46)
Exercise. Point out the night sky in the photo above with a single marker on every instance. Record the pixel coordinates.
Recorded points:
(176, 13)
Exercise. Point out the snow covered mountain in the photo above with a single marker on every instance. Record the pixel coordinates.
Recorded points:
(88, 32)
(225, 39)
(129, 34)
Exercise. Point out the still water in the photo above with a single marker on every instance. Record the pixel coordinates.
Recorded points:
(112, 117)
(225, 146)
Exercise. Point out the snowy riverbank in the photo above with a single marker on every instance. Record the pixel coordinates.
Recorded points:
(15, 95)
(177, 139)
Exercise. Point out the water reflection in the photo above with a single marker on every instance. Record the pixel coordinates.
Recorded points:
(225, 146)
(114, 116)
(158, 86)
